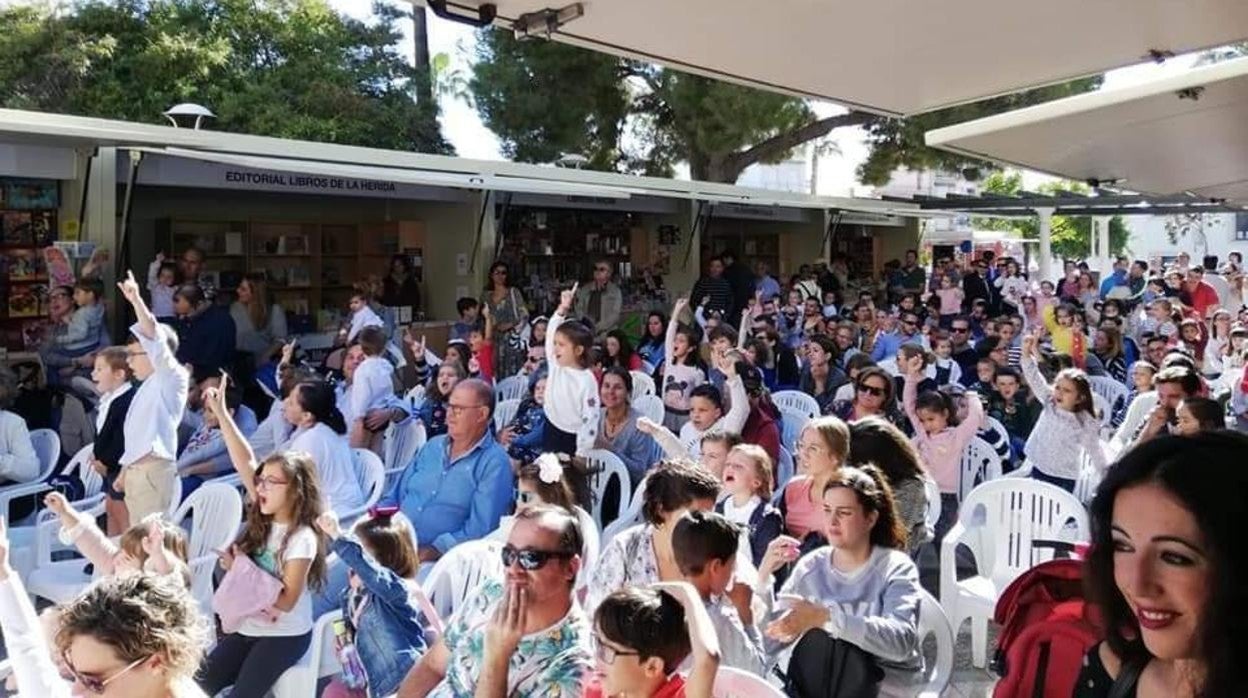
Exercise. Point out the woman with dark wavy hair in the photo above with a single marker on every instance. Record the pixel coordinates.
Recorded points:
(1169, 570)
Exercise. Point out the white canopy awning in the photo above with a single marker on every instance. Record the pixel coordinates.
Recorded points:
(1180, 134)
(891, 56)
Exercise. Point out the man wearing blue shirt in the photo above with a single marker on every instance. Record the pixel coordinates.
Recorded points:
(460, 483)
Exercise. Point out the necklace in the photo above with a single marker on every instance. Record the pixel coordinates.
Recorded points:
(614, 427)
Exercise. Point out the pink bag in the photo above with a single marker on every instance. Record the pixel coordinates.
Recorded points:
(246, 590)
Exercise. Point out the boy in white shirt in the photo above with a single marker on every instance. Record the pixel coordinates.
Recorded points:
(372, 388)
(362, 315)
(151, 430)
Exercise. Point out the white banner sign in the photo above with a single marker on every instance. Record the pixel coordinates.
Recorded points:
(161, 170)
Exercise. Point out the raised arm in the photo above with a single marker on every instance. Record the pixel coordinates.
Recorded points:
(969, 427)
(241, 455)
(670, 338)
(668, 442)
(146, 324)
(27, 645)
(702, 639)
(739, 410)
(910, 394)
(1031, 371)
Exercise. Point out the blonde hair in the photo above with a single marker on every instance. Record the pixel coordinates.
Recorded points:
(762, 464)
(834, 433)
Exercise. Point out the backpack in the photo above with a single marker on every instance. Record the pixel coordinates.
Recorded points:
(1046, 629)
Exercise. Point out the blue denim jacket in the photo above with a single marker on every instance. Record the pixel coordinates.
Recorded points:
(390, 635)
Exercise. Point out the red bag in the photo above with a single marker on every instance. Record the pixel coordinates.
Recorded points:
(1046, 629)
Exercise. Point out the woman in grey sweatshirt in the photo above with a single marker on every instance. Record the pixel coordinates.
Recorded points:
(862, 588)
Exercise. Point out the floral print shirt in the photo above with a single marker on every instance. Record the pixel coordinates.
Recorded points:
(551, 663)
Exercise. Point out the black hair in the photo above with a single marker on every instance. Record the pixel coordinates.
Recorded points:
(646, 337)
(580, 336)
(646, 621)
(466, 303)
(874, 494)
(372, 340)
(1187, 380)
(937, 401)
(878, 441)
(93, 286)
(626, 349)
(1209, 413)
(623, 374)
(708, 392)
(675, 483)
(702, 536)
(317, 398)
(1205, 474)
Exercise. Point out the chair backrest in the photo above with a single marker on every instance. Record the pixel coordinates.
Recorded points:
(796, 400)
(980, 463)
(933, 621)
(1089, 479)
(1015, 513)
(784, 468)
(735, 683)
(47, 445)
(402, 442)
(932, 490)
(792, 423)
(513, 388)
(460, 571)
(590, 548)
(630, 517)
(607, 466)
(643, 384)
(1115, 393)
(650, 407)
(216, 511)
(1104, 408)
(92, 482)
(504, 412)
(996, 425)
(371, 473)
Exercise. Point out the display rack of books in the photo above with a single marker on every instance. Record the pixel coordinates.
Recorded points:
(28, 226)
(310, 269)
(729, 234)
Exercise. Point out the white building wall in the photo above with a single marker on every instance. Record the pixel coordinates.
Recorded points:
(1219, 237)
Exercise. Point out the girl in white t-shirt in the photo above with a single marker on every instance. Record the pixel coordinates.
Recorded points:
(279, 534)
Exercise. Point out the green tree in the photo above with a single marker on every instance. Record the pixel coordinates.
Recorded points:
(545, 99)
(1071, 235)
(899, 142)
(287, 68)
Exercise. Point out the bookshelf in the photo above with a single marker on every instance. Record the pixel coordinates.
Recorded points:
(310, 268)
(28, 224)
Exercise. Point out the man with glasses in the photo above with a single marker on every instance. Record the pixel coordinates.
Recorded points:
(963, 350)
(523, 635)
(461, 482)
(976, 286)
(600, 300)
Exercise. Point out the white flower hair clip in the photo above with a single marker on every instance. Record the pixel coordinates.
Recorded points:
(549, 468)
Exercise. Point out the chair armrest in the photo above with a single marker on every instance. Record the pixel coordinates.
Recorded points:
(8, 494)
(949, 567)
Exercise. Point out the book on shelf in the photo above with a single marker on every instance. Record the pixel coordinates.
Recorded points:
(26, 301)
(16, 227)
(234, 243)
(298, 277)
(23, 265)
(60, 271)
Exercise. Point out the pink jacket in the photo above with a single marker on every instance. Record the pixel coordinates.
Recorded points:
(942, 453)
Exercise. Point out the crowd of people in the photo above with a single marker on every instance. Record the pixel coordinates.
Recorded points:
(796, 559)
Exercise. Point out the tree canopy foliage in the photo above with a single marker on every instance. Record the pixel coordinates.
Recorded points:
(1071, 235)
(286, 68)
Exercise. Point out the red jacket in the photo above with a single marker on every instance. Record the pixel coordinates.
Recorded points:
(1204, 297)
(761, 429)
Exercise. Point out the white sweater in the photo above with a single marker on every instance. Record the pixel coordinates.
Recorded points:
(18, 461)
(571, 395)
(1060, 437)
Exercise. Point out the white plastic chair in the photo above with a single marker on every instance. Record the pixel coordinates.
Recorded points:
(47, 445)
(1110, 390)
(319, 661)
(1088, 481)
(630, 517)
(607, 466)
(513, 388)
(792, 423)
(504, 412)
(735, 683)
(650, 407)
(402, 442)
(933, 621)
(980, 463)
(23, 551)
(215, 511)
(643, 384)
(797, 400)
(1104, 409)
(460, 572)
(372, 476)
(932, 490)
(784, 468)
(1008, 515)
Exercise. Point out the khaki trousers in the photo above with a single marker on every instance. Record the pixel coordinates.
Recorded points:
(149, 486)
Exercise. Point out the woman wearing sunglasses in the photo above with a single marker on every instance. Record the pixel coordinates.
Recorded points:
(137, 636)
(874, 396)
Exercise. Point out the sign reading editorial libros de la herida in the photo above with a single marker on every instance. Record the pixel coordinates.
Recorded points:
(185, 172)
